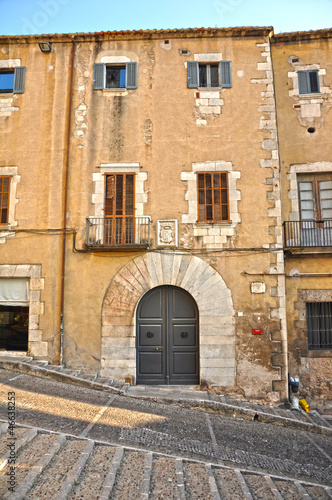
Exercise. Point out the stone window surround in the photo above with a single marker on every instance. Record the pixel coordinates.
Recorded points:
(294, 92)
(115, 60)
(36, 284)
(215, 233)
(98, 197)
(304, 168)
(304, 296)
(12, 172)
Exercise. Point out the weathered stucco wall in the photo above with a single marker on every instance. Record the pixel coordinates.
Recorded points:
(304, 128)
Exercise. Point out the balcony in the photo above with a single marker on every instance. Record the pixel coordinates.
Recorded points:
(120, 233)
(304, 234)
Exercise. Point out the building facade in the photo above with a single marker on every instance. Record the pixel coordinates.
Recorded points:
(143, 202)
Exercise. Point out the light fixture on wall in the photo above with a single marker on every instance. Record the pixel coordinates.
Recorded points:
(45, 47)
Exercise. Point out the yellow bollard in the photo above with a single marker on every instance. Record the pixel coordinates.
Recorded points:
(304, 405)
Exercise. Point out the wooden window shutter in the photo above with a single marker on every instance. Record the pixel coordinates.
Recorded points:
(19, 80)
(99, 75)
(4, 199)
(131, 75)
(225, 74)
(193, 78)
(303, 82)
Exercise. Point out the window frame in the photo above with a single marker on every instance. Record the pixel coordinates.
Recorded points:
(100, 69)
(323, 325)
(315, 179)
(304, 82)
(18, 82)
(224, 74)
(213, 204)
(2, 207)
(114, 221)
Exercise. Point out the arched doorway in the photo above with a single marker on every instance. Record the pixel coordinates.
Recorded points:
(167, 338)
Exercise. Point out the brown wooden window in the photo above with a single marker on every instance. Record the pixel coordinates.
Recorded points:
(119, 226)
(4, 199)
(213, 197)
(315, 195)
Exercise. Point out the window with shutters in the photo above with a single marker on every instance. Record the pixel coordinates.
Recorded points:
(119, 223)
(115, 76)
(207, 75)
(12, 80)
(4, 199)
(315, 197)
(213, 197)
(319, 325)
(308, 82)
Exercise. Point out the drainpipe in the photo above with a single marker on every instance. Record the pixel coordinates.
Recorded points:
(65, 193)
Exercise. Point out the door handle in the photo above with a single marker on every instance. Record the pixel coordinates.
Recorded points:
(184, 335)
(150, 335)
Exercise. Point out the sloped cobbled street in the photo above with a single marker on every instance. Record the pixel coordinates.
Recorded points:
(76, 442)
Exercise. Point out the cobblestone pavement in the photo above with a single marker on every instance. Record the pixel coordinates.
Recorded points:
(75, 442)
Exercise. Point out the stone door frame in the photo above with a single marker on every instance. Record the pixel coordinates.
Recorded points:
(199, 279)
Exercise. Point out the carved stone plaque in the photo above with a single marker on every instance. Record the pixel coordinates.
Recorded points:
(167, 233)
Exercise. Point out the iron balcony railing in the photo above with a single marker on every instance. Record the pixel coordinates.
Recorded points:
(308, 233)
(119, 231)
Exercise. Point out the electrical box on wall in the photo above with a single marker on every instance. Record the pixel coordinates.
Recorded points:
(257, 331)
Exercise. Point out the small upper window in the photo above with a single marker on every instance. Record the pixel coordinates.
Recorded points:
(6, 81)
(12, 80)
(115, 76)
(209, 74)
(308, 82)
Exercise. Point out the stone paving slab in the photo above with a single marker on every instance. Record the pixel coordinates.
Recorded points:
(176, 395)
(85, 469)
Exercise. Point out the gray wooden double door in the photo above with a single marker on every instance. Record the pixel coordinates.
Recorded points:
(167, 338)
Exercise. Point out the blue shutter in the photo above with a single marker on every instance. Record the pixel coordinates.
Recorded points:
(131, 75)
(225, 74)
(19, 80)
(303, 82)
(193, 78)
(313, 82)
(99, 75)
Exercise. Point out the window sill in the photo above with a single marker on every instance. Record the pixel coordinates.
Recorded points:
(320, 353)
(310, 96)
(116, 92)
(214, 223)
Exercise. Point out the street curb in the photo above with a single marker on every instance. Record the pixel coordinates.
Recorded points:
(216, 407)
(38, 371)
(243, 413)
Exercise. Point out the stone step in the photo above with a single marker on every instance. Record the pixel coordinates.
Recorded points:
(131, 477)
(59, 477)
(57, 466)
(30, 464)
(13, 443)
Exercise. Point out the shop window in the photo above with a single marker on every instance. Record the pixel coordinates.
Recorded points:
(14, 314)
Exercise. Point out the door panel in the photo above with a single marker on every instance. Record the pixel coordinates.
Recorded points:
(167, 337)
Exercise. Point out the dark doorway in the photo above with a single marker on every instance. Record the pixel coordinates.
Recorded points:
(167, 338)
(14, 326)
